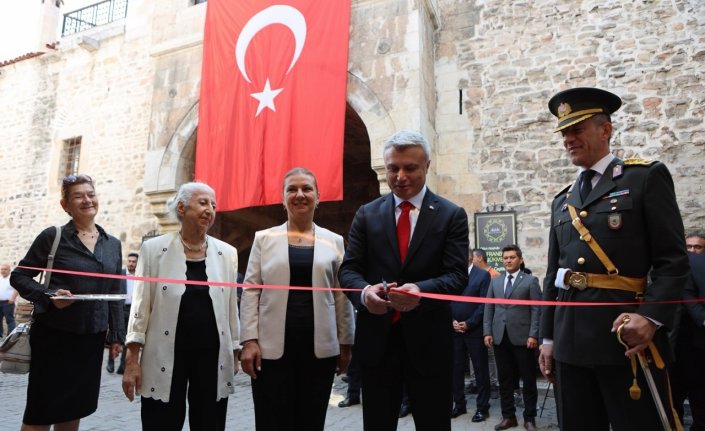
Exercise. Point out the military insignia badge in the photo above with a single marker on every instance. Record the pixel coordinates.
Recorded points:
(614, 221)
(617, 171)
(564, 109)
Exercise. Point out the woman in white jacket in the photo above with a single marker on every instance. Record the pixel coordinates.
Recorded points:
(295, 340)
(188, 332)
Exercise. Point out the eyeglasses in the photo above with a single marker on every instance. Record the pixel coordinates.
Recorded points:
(72, 179)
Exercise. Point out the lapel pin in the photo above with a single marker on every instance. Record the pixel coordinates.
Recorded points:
(617, 171)
(431, 207)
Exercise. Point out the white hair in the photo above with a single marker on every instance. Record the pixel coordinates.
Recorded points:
(406, 138)
(184, 195)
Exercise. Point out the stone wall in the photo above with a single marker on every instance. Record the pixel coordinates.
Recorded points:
(508, 58)
(101, 95)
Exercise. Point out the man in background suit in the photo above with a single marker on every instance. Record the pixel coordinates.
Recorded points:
(409, 241)
(125, 289)
(513, 331)
(467, 340)
(689, 372)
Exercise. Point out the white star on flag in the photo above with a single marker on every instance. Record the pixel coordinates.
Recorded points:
(266, 97)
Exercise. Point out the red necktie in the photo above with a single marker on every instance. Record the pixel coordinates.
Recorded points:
(404, 229)
(403, 235)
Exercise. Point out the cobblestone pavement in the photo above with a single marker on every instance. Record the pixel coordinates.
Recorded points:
(115, 412)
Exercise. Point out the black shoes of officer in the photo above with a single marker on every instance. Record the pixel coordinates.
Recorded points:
(457, 411)
(404, 410)
(480, 416)
(111, 365)
(349, 401)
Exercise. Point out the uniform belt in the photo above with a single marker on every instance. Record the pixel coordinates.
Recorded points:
(583, 280)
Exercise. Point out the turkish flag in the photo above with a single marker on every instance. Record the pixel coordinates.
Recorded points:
(272, 97)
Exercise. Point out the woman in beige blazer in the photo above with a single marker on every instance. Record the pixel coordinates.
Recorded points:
(188, 333)
(295, 340)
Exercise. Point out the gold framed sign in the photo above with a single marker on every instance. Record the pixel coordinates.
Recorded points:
(493, 231)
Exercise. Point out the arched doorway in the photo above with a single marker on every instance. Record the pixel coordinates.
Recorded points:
(360, 185)
(367, 124)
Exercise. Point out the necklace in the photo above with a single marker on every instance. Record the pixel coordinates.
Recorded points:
(91, 235)
(205, 244)
(300, 235)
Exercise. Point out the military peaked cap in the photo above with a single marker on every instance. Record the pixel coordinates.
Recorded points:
(578, 104)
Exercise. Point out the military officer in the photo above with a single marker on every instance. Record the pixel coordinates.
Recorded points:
(627, 226)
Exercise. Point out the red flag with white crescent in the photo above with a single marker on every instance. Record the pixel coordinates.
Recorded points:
(272, 97)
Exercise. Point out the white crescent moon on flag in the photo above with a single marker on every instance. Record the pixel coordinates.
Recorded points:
(277, 14)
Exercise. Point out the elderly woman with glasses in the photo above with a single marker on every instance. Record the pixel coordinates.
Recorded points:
(67, 336)
(187, 330)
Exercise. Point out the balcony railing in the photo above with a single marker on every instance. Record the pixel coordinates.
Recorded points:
(94, 15)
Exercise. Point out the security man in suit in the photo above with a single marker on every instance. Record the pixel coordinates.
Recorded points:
(513, 331)
(467, 340)
(615, 225)
(401, 244)
(689, 373)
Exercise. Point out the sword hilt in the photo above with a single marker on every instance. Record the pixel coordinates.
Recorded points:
(634, 389)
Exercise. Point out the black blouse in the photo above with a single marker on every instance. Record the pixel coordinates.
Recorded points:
(196, 327)
(299, 309)
(81, 317)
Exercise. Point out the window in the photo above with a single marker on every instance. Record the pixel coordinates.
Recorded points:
(71, 156)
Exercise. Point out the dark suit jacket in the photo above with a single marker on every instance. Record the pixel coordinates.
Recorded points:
(436, 262)
(633, 215)
(472, 312)
(693, 324)
(520, 321)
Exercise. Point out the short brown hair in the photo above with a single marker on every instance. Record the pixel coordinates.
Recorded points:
(73, 180)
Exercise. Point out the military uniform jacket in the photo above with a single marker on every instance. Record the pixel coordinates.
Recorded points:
(633, 215)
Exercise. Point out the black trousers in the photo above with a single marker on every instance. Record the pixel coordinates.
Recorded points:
(593, 398)
(430, 391)
(195, 378)
(514, 362)
(688, 379)
(292, 393)
(465, 345)
(354, 377)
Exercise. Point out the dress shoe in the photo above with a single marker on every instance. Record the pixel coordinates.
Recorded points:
(121, 370)
(349, 401)
(480, 416)
(404, 410)
(530, 425)
(457, 411)
(111, 366)
(506, 424)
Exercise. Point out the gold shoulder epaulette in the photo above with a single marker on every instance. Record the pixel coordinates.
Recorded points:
(564, 190)
(639, 162)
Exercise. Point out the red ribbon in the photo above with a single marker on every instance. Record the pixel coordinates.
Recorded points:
(441, 296)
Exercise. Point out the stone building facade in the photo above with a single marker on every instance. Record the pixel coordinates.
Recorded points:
(473, 75)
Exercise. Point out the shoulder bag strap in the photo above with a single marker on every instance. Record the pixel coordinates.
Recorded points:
(52, 254)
